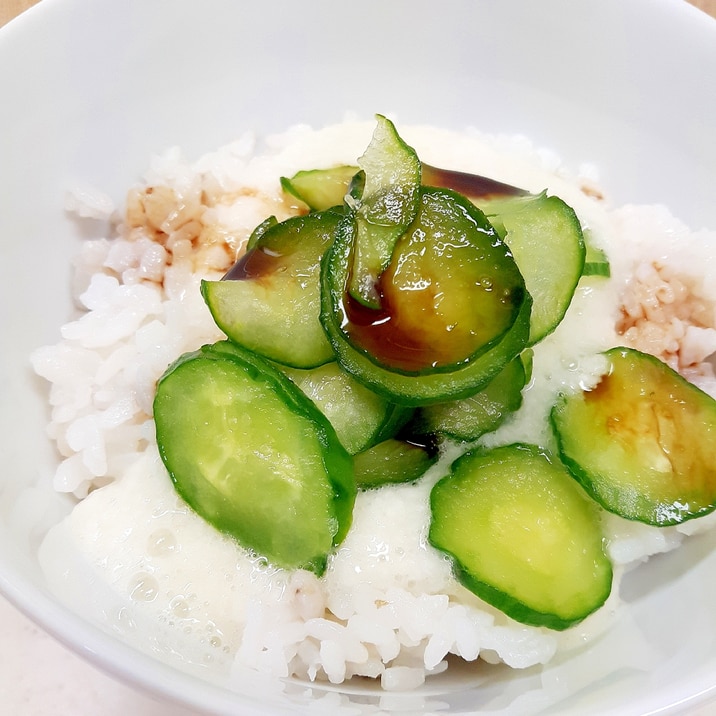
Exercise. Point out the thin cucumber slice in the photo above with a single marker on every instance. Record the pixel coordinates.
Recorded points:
(359, 416)
(522, 535)
(545, 237)
(455, 306)
(596, 262)
(320, 189)
(252, 455)
(643, 442)
(259, 231)
(388, 204)
(269, 302)
(469, 418)
(391, 462)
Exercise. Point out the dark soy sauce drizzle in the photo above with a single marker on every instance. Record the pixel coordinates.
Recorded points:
(470, 185)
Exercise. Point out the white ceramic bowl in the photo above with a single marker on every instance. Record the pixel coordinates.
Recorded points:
(89, 90)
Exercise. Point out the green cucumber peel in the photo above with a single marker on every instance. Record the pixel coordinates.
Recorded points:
(387, 206)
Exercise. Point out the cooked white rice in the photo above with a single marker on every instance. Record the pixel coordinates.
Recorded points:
(135, 558)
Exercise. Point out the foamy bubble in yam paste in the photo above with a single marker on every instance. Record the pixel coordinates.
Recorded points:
(158, 555)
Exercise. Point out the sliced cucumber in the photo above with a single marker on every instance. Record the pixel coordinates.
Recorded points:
(269, 301)
(469, 418)
(522, 535)
(545, 237)
(643, 442)
(391, 462)
(388, 204)
(455, 306)
(360, 417)
(596, 262)
(320, 189)
(252, 455)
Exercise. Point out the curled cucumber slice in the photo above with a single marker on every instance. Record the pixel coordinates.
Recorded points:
(320, 189)
(252, 455)
(387, 205)
(259, 231)
(522, 535)
(643, 442)
(454, 309)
